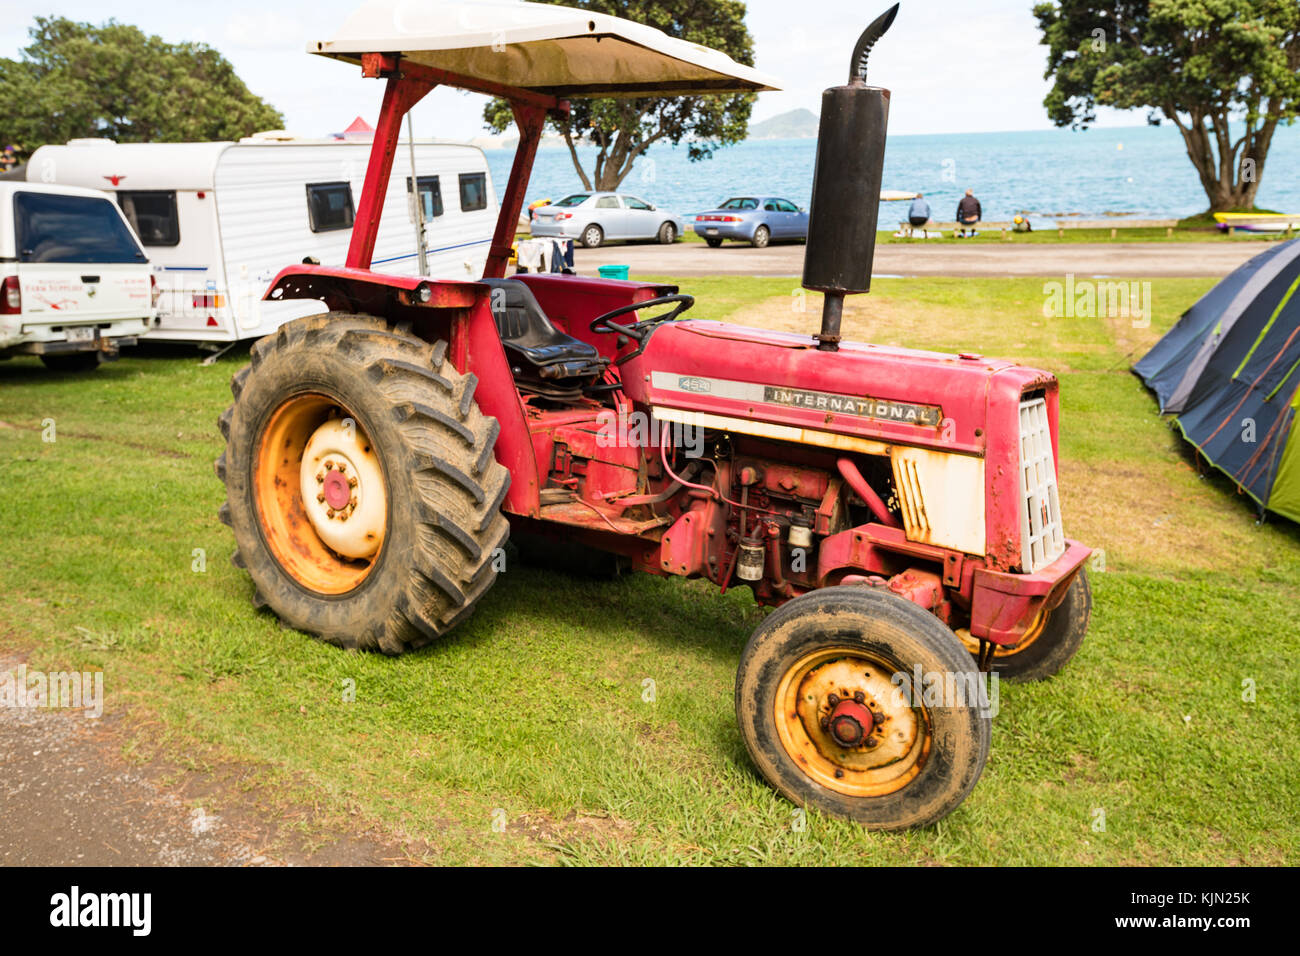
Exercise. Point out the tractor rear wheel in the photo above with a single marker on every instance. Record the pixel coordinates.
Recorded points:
(361, 484)
(1050, 641)
(827, 710)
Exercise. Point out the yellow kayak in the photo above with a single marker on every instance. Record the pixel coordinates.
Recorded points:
(1257, 221)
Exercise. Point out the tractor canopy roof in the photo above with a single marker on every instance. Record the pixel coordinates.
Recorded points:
(553, 50)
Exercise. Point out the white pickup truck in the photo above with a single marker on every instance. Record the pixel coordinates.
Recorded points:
(75, 283)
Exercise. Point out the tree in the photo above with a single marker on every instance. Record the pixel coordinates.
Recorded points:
(1197, 63)
(115, 81)
(623, 129)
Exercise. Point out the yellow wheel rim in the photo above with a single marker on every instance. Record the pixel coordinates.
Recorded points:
(287, 526)
(898, 745)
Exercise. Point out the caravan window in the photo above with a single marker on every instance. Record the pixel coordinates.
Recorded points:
(57, 228)
(430, 196)
(153, 216)
(329, 206)
(473, 191)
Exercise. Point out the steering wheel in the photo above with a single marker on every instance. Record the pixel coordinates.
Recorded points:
(639, 330)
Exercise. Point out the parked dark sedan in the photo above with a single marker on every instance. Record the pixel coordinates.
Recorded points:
(753, 219)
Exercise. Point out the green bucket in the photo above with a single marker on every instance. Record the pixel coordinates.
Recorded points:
(613, 272)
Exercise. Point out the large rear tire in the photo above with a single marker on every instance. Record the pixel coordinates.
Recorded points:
(893, 757)
(361, 484)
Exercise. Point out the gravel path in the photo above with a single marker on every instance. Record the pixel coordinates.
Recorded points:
(69, 798)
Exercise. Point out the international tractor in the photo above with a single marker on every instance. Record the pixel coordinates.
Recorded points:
(898, 508)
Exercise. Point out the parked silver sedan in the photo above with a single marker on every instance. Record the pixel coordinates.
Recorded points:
(597, 217)
(757, 220)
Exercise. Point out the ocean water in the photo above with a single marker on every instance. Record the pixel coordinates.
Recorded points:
(1138, 171)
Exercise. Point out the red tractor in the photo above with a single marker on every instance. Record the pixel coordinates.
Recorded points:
(898, 507)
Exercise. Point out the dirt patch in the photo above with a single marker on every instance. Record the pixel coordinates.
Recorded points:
(1156, 518)
(110, 439)
(68, 797)
(900, 323)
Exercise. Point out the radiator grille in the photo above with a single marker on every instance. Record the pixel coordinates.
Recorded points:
(1041, 539)
(907, 481)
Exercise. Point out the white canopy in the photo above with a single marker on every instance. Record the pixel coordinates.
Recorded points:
(556, 50)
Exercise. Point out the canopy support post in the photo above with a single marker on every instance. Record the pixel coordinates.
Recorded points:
(400, 94)
(531, 121)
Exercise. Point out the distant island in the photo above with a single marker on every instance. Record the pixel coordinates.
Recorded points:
(796, 124)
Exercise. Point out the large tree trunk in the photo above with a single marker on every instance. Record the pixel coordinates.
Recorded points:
(1229, 173)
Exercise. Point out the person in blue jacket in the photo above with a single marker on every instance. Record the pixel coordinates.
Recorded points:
(919, 212)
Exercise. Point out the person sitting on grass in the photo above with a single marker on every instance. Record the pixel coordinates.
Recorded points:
(919, 212)
(968, 214)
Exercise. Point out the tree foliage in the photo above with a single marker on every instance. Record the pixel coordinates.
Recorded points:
(115, 81)
(623, 129)
(1225, 72)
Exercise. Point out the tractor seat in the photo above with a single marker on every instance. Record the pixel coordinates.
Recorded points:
(544, 359)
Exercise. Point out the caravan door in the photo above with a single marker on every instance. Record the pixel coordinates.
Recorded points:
(178, 228)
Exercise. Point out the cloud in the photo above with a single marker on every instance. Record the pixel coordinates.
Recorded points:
(265, 30)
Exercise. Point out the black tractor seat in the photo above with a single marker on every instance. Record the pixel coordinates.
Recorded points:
(545, 361)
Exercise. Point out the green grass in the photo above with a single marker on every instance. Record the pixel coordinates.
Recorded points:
(534, 707)
(1184, 232)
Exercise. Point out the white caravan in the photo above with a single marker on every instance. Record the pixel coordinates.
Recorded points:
(220, 220)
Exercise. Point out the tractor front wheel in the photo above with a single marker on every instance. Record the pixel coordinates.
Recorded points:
(1049, 642)
(861, 705)
(361, 484)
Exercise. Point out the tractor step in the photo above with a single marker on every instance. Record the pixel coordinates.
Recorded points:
(582, 514)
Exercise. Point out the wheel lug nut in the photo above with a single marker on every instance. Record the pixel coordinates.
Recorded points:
(321, 497)
(329, 465)
(352, 482)
(838, 773)
(353, 501)
(329, 512)
(871, 741)
(826, 723)
(342, 467)
(858, 696)
(320, 478)
(832, 699)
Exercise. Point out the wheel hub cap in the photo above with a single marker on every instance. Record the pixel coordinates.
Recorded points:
(337, 492)
(850, 723)
(343, 489)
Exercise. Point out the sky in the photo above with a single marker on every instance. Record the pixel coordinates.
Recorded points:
(954, 66)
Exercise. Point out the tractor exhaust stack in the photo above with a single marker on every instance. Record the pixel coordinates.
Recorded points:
(846, 187)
